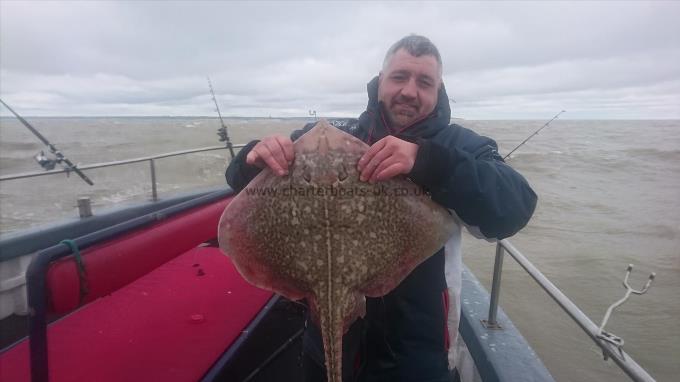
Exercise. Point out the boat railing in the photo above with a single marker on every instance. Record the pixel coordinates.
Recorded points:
(150, 159)
(609, 349)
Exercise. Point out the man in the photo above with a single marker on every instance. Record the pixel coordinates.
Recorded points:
(403, 336)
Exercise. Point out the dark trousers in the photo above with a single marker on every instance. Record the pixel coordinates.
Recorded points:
(402, 338)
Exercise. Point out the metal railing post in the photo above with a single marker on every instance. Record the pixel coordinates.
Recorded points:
(491, 322)
(84, 207)
(154, 193)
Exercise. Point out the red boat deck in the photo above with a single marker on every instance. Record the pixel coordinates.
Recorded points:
(169, 325)
(168, 321)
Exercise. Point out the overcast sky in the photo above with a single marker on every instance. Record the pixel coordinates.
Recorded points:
(501, 60)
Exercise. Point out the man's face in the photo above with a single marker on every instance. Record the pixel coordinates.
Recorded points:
(408, 87)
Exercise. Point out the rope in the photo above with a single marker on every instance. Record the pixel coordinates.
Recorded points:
(82, 274)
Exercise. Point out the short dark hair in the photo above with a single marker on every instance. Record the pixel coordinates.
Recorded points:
(416, 46)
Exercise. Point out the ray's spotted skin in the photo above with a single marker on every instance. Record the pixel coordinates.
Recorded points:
(322, 234)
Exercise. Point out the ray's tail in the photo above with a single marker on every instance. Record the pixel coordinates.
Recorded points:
(331, 333)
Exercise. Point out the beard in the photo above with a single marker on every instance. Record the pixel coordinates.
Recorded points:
(402, 113)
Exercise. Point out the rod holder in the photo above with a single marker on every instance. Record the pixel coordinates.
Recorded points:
(84, 207)
(610, 337)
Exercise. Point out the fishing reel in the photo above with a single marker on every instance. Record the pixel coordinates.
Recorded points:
(222, 133)
(45, 162)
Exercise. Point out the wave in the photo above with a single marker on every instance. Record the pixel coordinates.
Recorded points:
(535, 154)
(14, 145)
(658, 231)
(654, 153)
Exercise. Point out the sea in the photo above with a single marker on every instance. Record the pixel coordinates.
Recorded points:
(609, 196)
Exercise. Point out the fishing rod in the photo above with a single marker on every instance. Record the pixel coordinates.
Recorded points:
(532, 135)
(46, 163)
(222, 131)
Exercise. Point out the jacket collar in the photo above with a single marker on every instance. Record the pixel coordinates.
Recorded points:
(373, 120)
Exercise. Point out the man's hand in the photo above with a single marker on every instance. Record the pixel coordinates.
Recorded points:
(387, 158)
(275, 152)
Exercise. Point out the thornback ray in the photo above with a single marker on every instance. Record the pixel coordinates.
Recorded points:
(322, 234)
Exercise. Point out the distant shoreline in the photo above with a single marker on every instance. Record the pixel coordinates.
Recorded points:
(304, 118)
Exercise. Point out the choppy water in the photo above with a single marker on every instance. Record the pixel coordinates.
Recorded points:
(609, 195)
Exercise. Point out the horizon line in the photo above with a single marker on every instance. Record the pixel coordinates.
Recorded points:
(321, 117)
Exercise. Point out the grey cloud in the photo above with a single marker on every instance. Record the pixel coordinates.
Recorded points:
(280, 58)
(567, 76)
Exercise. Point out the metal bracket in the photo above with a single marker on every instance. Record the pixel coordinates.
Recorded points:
(610, 337)
(491, 325)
